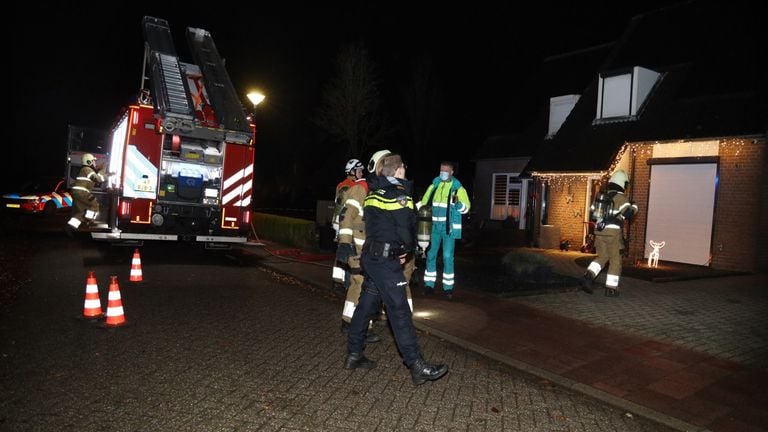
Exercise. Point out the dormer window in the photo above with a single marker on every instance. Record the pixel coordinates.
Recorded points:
(621, 94)
(559, 109)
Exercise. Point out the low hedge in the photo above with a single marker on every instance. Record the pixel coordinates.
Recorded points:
(290, 231)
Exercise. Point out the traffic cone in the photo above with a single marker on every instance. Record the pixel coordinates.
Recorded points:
(92, 306)
(115, 316)
(136, 267)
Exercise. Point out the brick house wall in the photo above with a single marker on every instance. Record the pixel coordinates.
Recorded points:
(740, 224)
(738, 209)
(739, 205)
(640, 184)
(566, 209)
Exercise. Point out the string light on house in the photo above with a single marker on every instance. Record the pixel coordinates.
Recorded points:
(560, 180)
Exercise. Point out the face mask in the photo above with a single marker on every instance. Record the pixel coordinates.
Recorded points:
(444, 175)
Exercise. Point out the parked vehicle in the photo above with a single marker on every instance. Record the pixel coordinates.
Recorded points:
(181, 157)
(44, 195)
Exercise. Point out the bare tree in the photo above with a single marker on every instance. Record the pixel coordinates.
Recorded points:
(351, 109)
(423, 107)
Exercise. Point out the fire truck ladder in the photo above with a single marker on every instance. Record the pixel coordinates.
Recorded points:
(226, 103)
(170, 95)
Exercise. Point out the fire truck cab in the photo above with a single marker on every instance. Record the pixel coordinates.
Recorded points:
(180, 159)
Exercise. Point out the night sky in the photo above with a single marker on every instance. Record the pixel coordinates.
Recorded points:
(80, 64)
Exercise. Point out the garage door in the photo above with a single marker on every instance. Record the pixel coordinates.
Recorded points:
(680, 211)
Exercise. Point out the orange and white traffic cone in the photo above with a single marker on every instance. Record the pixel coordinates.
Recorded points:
(115, 315)
(136, 267)
(92, 306)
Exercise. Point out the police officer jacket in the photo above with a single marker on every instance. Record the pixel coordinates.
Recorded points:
(389, 216)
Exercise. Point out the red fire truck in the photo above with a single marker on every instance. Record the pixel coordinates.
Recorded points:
(181, 158)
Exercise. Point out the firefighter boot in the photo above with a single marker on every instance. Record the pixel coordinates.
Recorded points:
(421, 371)
(612, 292)
(586, 283)
(358, 361)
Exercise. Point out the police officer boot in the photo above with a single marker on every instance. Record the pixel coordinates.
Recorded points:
(421, 371)
(586, 283)
(358, 361)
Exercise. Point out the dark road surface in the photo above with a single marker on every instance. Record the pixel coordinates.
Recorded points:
(217, 343)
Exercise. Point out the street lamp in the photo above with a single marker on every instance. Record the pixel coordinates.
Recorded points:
(256, 97)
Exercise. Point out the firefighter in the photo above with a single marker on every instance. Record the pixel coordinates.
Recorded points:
(449, 201)
(353, 170)
(85, 206)
(390, 224)
(612, 209)
(350, 194)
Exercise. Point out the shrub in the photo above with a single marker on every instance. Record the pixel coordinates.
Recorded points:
(290, 231)
(524, 265)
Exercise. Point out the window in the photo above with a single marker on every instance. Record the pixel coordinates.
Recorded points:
(621, 94)
(507, 197)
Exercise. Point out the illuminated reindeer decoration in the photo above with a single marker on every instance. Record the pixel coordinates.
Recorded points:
(653, 257)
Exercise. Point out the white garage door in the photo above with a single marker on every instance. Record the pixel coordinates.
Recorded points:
(680, 211)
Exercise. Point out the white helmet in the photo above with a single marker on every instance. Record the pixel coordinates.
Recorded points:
(352, 165)
(619, 178)
(375, 159)
(89, 159)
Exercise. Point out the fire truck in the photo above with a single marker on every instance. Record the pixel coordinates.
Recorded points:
(180, 159)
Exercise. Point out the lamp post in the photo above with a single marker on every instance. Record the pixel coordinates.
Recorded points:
(256, 97)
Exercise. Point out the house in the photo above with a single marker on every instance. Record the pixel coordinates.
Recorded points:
(501, 189)
(679, 103)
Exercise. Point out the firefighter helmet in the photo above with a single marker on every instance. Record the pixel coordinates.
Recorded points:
(375, 159)
(352, 165)
(619, 178)
(89, 159)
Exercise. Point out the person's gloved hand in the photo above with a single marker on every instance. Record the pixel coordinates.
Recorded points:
(600, 226)
(344, 251)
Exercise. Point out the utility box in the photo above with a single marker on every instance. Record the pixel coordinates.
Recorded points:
(324, 212)
(549, 237)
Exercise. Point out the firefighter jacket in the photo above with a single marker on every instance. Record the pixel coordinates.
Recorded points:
(449, 201)
(338, 201)
(622, 210)
(86, 178)
(390, 219)
(351, 223)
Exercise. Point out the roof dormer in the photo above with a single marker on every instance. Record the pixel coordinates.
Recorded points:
(621, 94)
(559, 108)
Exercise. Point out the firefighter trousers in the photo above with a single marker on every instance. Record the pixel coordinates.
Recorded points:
(85, 207)
(608, 243)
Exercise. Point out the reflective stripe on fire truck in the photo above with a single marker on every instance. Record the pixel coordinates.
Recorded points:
(140, 179)
(238, 185)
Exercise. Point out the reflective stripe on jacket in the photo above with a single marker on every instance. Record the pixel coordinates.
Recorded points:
(444, 210)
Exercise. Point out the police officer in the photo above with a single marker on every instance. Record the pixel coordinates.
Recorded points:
(85, 205)
(351, 237)
(390, 224)
(609, 238)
